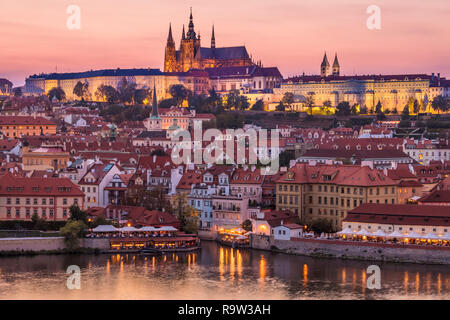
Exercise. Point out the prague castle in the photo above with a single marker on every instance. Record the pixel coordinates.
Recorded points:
(193, 56)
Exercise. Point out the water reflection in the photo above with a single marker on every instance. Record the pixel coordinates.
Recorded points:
(216, 272)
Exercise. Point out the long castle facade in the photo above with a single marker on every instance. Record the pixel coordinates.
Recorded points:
(392, 91)
(192, 55)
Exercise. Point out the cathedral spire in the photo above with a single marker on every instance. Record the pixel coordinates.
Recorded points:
(191, 33)
(213, 39)
(183, 34)
(170, 38)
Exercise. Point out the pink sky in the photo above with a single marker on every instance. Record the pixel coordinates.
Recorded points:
(289, 34)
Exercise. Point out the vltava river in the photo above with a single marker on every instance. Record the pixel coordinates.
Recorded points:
(216, 272)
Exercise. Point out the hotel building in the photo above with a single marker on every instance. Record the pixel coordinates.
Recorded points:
(49, 198)
(330, 191)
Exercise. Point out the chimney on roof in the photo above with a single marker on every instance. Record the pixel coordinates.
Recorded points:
(367, 164)
(432, 77)
(439, 79)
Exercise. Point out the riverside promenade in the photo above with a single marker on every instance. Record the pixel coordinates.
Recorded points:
(345, 249)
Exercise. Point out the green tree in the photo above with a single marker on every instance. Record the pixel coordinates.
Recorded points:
(58, 93)
(440, 103)
(343, 108)
(258, 106)
(322, 225)
(179, 93)
(39, 223)
(354, 110)
(107, 93)
(236, 101)
(416, 106)
(405, 112)
(77, 214)
(247, 225)
(167, 103)
(363, 110)
(81, 90)
(309, 103)
(326, 107)
(126, 90)
(288, 100)
(140, 95)
(280, 107)
(378, 108)
(72, 232)
(186, 214)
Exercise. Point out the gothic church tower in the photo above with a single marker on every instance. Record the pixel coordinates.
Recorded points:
(325, 67)
(336, 67)
(190, 48)
(170, 59)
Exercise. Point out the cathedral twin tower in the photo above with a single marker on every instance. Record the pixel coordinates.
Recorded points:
(192, 56)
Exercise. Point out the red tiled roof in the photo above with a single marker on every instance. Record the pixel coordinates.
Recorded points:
(437, 196)
(12, 185)
(403, 214)
(410, 184)
(398, 210)
(20, 120)
(348, 175)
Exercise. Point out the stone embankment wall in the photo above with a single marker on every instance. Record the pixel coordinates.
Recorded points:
(206, 235)
(37, 244)
(32, 244)
(354, 250)
(101, 244)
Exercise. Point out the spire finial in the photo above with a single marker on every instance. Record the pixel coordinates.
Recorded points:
(191, 33)
(213, 38)
(170, 38)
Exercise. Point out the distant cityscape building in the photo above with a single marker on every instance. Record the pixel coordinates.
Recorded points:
(392, 91)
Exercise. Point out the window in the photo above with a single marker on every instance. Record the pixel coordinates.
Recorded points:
(8, 201)
(17, 200)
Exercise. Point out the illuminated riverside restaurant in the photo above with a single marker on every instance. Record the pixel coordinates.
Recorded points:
(166, 238)
(403, 224)
(233, 236)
